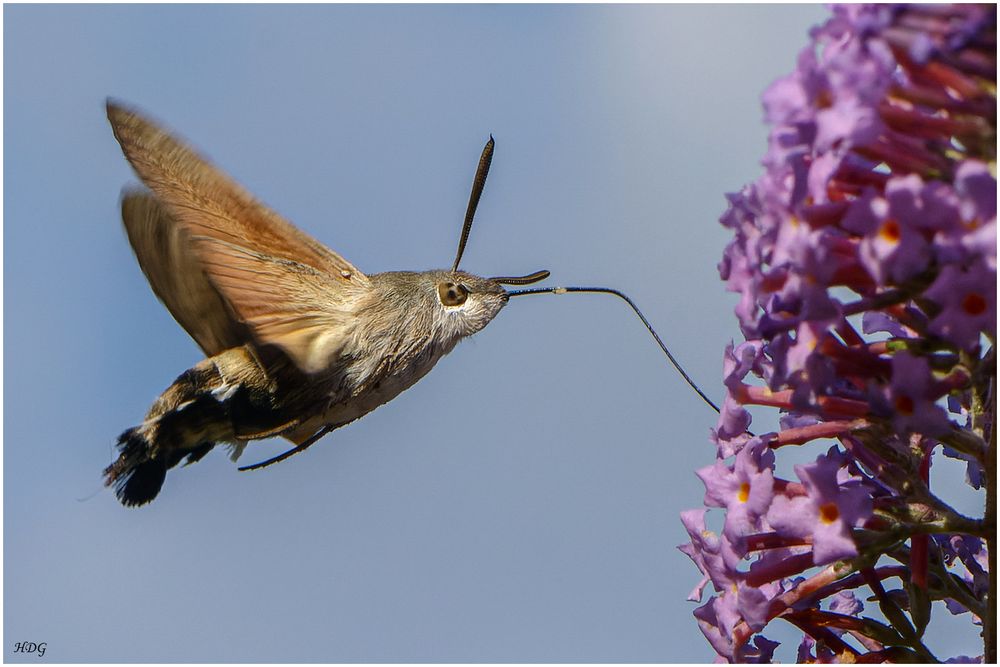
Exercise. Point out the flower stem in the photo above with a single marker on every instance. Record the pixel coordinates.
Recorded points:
(896, 617)
(803, 434)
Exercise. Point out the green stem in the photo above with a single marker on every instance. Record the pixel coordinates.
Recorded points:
(927, 516)
(966, 442)
(956, 588)
(952, 585)
(897, 619)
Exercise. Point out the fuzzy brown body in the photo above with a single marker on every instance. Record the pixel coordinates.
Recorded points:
(298, 341)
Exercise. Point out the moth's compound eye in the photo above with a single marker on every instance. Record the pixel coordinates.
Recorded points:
(452, 294)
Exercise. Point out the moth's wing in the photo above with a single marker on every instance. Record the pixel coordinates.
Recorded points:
(308, 314)
(290, 290)
(207, 202)
(176, 275)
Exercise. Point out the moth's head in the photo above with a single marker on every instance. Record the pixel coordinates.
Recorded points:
(469, 302)
(465, 303)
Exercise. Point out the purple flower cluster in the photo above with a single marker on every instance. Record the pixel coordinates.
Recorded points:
(865, 263)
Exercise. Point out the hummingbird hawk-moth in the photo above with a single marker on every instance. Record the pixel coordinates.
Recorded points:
(298, 341)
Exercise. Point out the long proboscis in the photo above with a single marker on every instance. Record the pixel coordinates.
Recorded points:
(621, 295)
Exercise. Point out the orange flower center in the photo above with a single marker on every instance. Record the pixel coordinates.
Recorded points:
(890, 231)
(744, 493)
(828, 512)
(904, 404)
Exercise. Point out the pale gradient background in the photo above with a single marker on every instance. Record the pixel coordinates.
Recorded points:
(539, 524)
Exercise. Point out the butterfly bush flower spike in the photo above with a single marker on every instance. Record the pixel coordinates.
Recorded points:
(864, 264)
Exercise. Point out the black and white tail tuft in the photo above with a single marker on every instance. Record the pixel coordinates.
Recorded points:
(136, 477)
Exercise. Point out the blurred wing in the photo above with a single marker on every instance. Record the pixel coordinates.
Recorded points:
(176, 275)
(287, 288)
(291, 305)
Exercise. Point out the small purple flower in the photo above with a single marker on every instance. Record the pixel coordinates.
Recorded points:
(845, 602)
(968, 301)
(977, 235)
(739, 361)
(931, 206)
(974, 472)
(716, 620)
(803, 296)
(800, 365)
(827, 512)
(894, 247)
(876, 320)
(789, 100)
(910, 398)
(745, 489)
(821, 170)
(977, 187)
(955, 607)
(758, 651)
(730, 434)
(695, 549)
(714, 556)
(853, 122)
(754, 603)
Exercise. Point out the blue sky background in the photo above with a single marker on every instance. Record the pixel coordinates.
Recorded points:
(538, 525)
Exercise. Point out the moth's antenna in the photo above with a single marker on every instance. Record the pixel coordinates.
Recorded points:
(291, 452)
(656, 337)
(477, 191)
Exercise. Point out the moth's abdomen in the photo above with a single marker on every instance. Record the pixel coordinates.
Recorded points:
(203, 406)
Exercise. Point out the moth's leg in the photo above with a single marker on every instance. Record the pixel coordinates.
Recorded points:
(291, 452)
